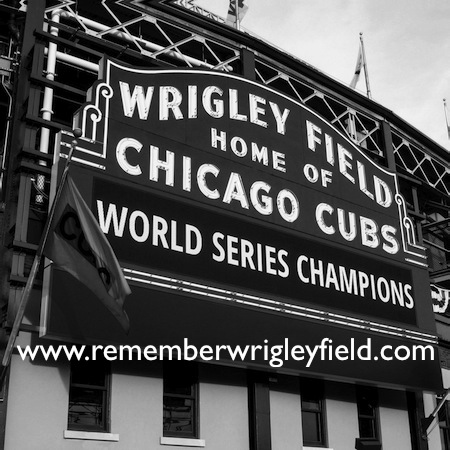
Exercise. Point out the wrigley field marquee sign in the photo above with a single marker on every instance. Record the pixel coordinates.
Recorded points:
(210, 185)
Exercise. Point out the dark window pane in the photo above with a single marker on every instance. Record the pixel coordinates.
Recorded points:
(88, 372)
(366, 409)
(311, 427)
(86, 408)
(312, 412)
(311, 405)
(178, 415)
(88, 394)
(172, 387)
(180, 399)
(367, 428)
(367, 413)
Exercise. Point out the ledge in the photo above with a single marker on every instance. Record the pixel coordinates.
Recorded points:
(184, 442)
(317, 448)
(90, 436)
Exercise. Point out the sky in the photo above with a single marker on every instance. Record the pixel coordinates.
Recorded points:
(407, 47)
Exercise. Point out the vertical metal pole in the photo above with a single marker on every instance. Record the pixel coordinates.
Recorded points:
(33, 21)
(446, 118)
(366, 73)
(47, 103)
(236, 5)
(426, 424)
(35, 266)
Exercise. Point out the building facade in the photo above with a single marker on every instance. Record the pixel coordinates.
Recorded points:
(284, 235)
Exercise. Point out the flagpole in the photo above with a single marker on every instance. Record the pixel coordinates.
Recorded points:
(446, 118)
(236, 5)
(36, 262)
(366, 73)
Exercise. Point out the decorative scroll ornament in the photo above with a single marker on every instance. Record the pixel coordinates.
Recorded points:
(91, 116)
(416, 252)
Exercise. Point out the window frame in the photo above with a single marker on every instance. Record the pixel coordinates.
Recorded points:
(369, 395)
(307, 387)
(174, 369)
(105, 424)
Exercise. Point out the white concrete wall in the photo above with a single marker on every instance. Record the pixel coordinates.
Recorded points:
(394, 421)
(136, 412)
(285, 420)
(224, 416)
(446, 378)
(38, 402)
(342, 416)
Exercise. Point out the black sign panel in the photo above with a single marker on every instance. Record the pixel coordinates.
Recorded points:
(236, 146)
(160, 318)
(160, 233)
(240, 215)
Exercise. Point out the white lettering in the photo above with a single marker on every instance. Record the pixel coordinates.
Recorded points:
(129, 101)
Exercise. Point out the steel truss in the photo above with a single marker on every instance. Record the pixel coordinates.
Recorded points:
(161, 38)
(137, 33)
(417, 161)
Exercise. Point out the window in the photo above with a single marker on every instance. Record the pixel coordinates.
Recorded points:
(313, 413)
(89, 396)
(367, 402)
(180, 401)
